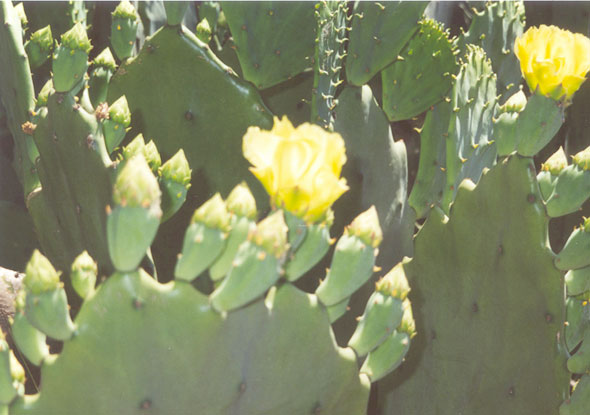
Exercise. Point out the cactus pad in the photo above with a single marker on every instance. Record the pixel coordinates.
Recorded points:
(421, 76)
(264, 34)
(199, 361)
(483, 290)
(379, 32)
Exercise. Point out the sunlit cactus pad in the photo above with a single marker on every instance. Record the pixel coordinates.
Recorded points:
(147, 348)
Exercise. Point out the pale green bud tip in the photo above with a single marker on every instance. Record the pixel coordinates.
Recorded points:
(408, 325)
(43, 39)
(84, 263)
(271, 234)
(213, 214)
(135, 147)
(17, 373)
(151, 154)
(136, 186)
(119, 111)
(586, 225)
(366, 227)
(20, 12)
(125, 10)
(40, 276)
(204, 31)
(177, 169)
(515, 103)
(83, 275)
(105, 60)
(44, 93)
(556, 163)
(394, 283)
(241, 202)
(76, 39)
(582, 159)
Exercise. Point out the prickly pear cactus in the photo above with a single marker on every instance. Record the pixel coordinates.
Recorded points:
(484, 288)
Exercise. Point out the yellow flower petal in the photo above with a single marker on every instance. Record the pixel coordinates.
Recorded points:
(553, 60)
(299, 167)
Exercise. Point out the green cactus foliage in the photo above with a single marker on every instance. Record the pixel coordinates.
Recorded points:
(431, 177)
(470, 146)
(218, 363)
(379, 32)
(205, 114)
(484, 289)
(494, 29)
(263, 33)
(421, 75)
(16, 93)
(72, 160)
(331, 19)
(18, 235)
(580, 400)
(60, 15)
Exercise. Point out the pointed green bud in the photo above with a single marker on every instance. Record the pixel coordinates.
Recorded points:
(582, 159)
(39, 47)
(114, 128)
(119, 112)
(105, 60)
(40, 276)
(271, 234)
(394, 283)
(175, 11)
(408, 325)
(175, 176)
(83, 274)
(152, 156)
(241, 202)
(125, 10)
(516, 103)
(20, 12)
(556, 163)
(135, 147)
(586, 225)
(76, 39)
(204, 31)
(177, 169)
(136, 186)
(213, 214)
(124, 29)
(44, 94)
(366, 227)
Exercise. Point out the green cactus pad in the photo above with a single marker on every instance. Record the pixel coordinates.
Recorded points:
(17, 92)
(39, 47)
(575, 251)
(569, 191)
(483, 290)
(537, 124)
(311, 250)
(387, 357)
(421, 75)
(263, 33)
(379, 32)
(181, 96)
(200, 361)
(124, 29)
(578, 321)
(352, 265)
(470, 146)
(175, 11)
(578, 281)
(580, 401)
(30, 341)
(431, 176)
(376, 171)
(495, 29)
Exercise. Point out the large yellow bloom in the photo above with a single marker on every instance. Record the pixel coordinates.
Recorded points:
(554, 60)
(299, 167)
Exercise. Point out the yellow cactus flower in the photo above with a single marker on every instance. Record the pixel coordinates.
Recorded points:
(553, 60)
(299, 167)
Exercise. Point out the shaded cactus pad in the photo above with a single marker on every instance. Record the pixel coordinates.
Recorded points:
(200, 361)
(488, 304)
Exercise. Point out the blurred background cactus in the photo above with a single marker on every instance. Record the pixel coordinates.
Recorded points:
(269, 207)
